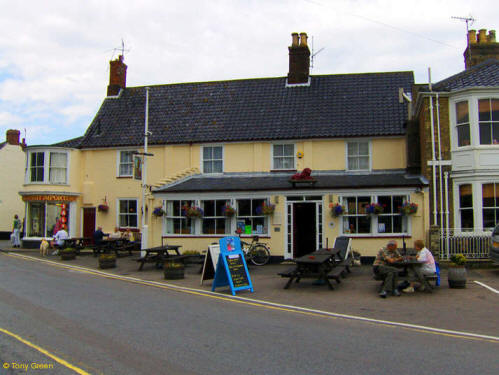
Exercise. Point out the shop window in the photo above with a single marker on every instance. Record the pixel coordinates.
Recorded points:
(128, 215)
(283, 156)
(488, 121)
(212, 159)
(250, 218)
(490, 205)
(463, 124)
(214, 221)
(390, 221)
(356, 219)
(45, 219)
(466, 207)
(358, 156)
(176, 222)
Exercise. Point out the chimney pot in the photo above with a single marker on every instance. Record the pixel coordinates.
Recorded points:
(472, 36)
(492, 36)
(303, 39)
(13, 137)
(482, 36)
(294, 41)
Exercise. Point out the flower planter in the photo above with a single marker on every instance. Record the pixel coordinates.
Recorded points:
(68, 255)
(173, 271)
(457, 277)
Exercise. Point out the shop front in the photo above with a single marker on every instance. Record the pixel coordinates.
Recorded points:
(47, 213)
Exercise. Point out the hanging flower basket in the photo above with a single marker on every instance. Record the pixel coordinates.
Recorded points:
(228, 210)
(158, 211)
(192, 212)
(336, 209)
(408, 208)
(374, 209)
(265, 209)
(103, 207)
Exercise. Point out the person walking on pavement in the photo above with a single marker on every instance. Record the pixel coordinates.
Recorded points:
(16, 232)
(382, 268)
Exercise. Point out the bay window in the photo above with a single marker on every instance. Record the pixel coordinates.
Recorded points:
(488, 121)
(490, 205)
(41, 162)
(466, 206)
(463, 124)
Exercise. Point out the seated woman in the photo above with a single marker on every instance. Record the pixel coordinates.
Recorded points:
(116, 233)
(428, 264)
(127, 235)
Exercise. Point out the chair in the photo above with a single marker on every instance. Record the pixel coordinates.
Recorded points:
(344, 256)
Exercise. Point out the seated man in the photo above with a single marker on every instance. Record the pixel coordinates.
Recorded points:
(60, 238)
(382, 268)
(98, 236)
(428, 265)
(116, 234)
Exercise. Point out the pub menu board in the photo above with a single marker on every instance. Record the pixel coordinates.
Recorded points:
(231, 267)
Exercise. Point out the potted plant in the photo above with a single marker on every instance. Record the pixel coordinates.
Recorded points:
(158, 211)
(228, 210)
(408, 208)
(457, 271)
(68, 253)
(192, 211)
(374, 209)
(336, 209)
(107, 261)
(173, 270)
(103, 207)
(265, 209)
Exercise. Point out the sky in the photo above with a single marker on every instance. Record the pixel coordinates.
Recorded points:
(54, 55)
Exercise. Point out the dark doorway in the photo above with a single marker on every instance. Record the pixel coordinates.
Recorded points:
(88, 222)
(304, 229)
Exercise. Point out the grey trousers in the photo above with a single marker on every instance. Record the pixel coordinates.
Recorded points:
(389, 275)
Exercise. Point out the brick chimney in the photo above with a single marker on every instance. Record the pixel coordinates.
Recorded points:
(117, 76)
(13, 137)
(299, 59)
(480, 47)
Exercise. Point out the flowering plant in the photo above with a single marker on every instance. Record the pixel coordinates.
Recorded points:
(336, 209)
(266, 209)
(408, 208)
(192, 211)
(458, 260)
(228, 210)
(158, 211)
(304, 175)
(375, 209)
(103, 207)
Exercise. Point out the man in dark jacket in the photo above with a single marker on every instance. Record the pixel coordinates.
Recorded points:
(384, 270)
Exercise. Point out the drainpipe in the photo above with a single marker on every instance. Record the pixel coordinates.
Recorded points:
(433, 151)
(440, 165)
(143, 244)
(446, 174)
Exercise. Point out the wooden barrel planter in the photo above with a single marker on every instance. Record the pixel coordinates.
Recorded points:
(457, 277)
(68, 254)
(173, 270)
(107, 261)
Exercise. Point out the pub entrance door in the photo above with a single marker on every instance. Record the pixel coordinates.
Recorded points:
(88, 221)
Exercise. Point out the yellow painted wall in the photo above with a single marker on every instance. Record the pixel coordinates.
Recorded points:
(12, 165)
(389, 153)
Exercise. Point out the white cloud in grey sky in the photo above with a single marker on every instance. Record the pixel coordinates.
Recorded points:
(54, 55)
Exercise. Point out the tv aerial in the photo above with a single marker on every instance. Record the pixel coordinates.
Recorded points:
(314, 53)
(122, 49)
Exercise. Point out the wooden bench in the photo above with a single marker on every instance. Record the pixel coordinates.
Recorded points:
(336, 272)
(159, 260)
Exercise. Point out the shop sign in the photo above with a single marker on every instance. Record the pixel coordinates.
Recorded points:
(45, 197)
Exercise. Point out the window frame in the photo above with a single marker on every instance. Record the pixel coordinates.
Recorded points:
(358, 156)
(490, 123)
(463, 124)
(215, 218)
(177, 217)
(119, 163)
(46, 167)
(274, 156)
(494, 208)
(119, 214)
(374, 219)
(212, 160)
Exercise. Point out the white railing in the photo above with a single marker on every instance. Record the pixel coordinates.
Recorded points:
(472, 244)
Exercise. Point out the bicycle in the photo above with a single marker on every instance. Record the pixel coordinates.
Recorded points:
(256, 252)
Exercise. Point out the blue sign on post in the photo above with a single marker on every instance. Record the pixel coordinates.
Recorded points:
(231, 268)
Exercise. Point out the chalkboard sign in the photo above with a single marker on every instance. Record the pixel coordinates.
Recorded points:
(231, 268)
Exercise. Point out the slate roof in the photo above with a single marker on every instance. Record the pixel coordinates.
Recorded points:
(485, 74)
(271, 181)
(343, 105)
(70, 143)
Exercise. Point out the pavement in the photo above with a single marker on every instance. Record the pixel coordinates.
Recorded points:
(473, 309)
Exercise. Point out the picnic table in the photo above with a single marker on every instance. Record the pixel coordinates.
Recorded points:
(320, 264)
(409, 263)
(159, 254)
(78, 243)
(115, 245)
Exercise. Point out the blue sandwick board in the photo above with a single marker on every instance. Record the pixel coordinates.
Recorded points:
(231, 268)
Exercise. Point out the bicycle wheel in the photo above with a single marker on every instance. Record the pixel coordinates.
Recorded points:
(259, 255)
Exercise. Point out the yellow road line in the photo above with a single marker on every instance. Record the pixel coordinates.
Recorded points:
(47, 353)
(272, 305)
